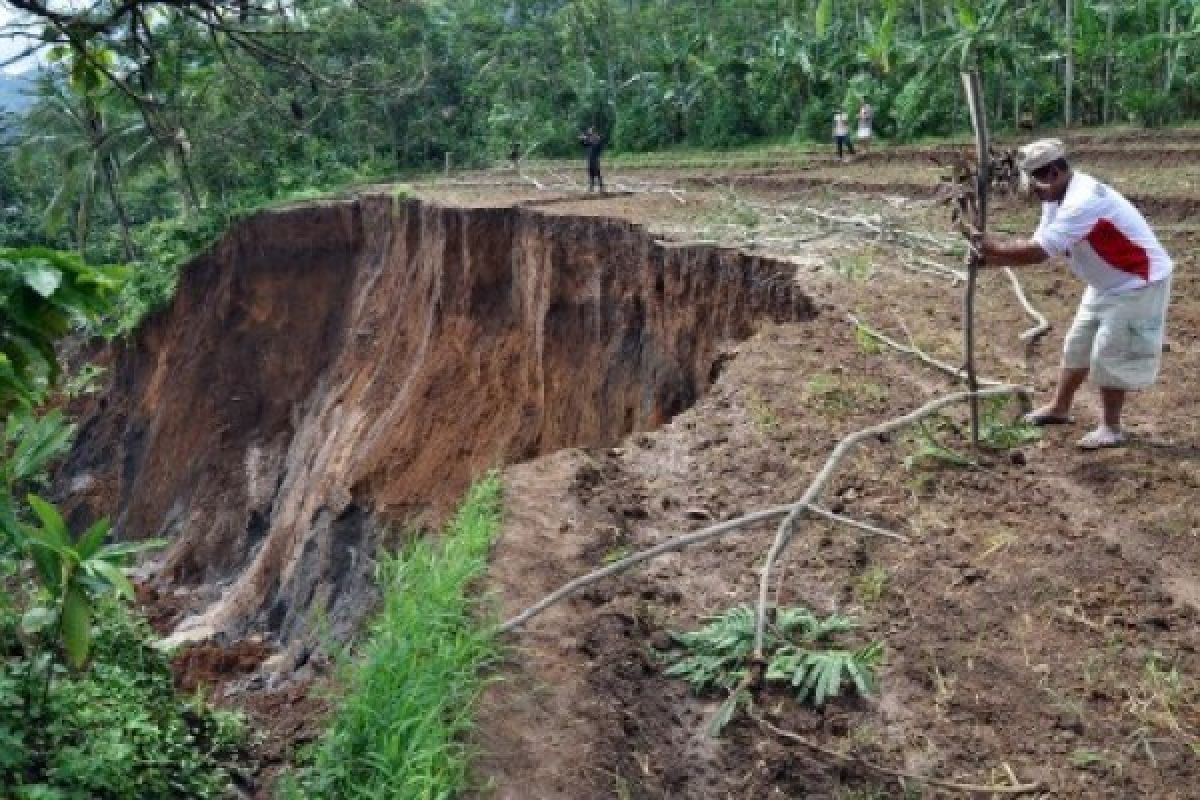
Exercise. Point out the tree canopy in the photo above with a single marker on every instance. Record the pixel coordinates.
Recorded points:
(156, 110)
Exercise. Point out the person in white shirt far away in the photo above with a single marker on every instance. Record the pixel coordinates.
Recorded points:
(841, 133)
(1117, 335)
(866, 118)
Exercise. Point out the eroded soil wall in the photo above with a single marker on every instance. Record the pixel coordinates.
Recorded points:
(328, 373)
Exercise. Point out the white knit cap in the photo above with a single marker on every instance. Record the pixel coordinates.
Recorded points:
(1036, 155)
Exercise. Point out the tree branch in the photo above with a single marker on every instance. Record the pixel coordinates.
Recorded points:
(672, 545)
(787, 528)
(1043, 325)
(949, 369)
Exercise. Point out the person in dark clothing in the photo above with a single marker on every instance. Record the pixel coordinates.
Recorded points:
(514, 155)
(594, 143)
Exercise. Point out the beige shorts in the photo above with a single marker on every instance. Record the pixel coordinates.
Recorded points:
(1119, 337)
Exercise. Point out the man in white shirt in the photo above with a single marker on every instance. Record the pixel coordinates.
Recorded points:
(1117, 335)
(841, 133)
(866, 118)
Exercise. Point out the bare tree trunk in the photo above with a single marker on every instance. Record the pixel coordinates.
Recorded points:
(188, 194)
(1106, 114)
(83, 215)
(1172, 54)
(998, 98)
(921, 18)
(110, 180)
(1162, 31)
(1069, 76)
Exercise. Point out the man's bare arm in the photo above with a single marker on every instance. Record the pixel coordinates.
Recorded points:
(1012, 253)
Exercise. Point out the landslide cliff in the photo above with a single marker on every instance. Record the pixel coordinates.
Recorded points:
(332, 376)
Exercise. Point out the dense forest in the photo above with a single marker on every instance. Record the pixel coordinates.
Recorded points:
(149, 116)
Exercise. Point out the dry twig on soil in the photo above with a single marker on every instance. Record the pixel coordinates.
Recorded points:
(966, 788)
(957, 276)
(878, 225)
(913, 350)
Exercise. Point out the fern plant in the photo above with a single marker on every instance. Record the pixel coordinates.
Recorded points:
(999, 432)
(818, 675)
(930, 452)
(717, 656)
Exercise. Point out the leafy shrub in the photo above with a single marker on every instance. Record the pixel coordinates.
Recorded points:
(1147, 107)
(43, 294)
(925, 107)
(817, 120)
(718, 657)
(115, 731)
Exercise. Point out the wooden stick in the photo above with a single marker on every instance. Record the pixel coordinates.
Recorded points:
(975, 98)
(679, 543)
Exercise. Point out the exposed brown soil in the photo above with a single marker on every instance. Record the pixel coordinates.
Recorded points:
(330, 371)
(1035, 621)
(1042, 619)
(1171, 205)
(211, 665)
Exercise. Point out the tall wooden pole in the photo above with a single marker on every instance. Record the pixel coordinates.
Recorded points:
(1069, 69)
(978, 110)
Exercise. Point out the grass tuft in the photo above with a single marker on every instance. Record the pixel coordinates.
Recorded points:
(411, 695)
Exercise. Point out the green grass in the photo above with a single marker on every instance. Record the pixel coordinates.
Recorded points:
(411, 694)
(116, 729)
(870, 586)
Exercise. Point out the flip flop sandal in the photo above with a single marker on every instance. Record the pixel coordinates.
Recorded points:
(1101, 438)
(1040, 418)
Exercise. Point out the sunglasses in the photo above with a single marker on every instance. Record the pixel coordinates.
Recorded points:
(1043, 176)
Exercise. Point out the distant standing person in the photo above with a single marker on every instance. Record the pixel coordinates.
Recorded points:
(594, 143)
(866, 117)
(514, 155)
(841, 133)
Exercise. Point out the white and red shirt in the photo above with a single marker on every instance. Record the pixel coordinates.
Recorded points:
(1110, 246)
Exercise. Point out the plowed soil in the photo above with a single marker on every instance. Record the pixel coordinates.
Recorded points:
(1042, 620)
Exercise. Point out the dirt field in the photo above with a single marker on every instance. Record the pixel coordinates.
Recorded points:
(1041, 623)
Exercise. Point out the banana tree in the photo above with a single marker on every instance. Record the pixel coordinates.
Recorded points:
(91, 141)
(787, 72)
(982, 38)
(877, 47)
